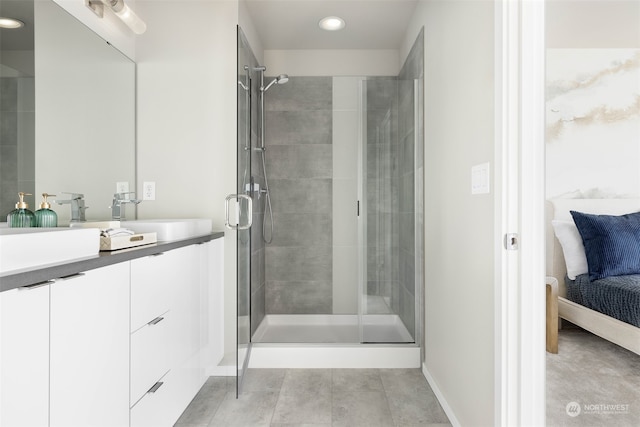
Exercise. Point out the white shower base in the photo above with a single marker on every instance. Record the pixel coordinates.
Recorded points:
(333, 341)
(331, 328)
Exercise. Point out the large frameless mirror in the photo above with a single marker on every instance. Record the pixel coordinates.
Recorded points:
(67, 104)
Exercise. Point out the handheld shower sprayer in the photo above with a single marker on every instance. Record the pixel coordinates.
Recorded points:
(281, 79)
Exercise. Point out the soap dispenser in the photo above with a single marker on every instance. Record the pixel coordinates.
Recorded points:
(21, 216)
(45, 217)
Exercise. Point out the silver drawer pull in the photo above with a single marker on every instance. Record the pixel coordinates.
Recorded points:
(156, 321)
(158, 254)
(69, 277)
(155, 387)
(36, 285)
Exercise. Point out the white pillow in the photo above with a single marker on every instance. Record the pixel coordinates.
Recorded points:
(572, 247)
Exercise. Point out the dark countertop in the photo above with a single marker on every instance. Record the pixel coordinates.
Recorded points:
(31, 276)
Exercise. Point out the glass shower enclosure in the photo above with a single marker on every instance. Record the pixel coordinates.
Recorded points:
(344, 156)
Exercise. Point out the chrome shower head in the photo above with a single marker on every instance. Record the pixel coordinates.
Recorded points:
(281, 79)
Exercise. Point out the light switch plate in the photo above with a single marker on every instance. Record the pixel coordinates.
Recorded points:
(480, 179)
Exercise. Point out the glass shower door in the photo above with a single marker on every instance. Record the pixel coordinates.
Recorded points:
(243, 210)
(389, 184)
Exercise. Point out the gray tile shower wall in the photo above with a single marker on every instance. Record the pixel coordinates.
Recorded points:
(382, 199)
(299, 156)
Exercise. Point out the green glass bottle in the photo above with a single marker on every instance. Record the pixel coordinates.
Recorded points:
(45, 217)
(21, 216)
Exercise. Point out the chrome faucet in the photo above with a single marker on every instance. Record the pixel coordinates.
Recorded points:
(77, 206)
(118, 205)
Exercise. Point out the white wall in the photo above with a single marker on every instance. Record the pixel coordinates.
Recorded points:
(592, 23)
(249, 30)
(187, 117)
(459, 236)
(331, 63)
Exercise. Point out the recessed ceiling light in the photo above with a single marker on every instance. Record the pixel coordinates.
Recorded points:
(331, 23)
(10, 23)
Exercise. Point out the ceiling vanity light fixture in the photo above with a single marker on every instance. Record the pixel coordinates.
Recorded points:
(10, 23)
(332, 23)
(121, 10)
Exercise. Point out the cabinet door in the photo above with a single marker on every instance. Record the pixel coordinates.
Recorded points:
(90, 349)
(24, 356)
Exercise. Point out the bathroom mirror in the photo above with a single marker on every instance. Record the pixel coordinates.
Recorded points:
(67, 110)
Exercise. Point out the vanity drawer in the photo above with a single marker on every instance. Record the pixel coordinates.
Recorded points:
(150, 287)
(160, 406)
(150, 358)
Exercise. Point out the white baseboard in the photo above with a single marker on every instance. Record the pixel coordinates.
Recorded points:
(443, 402)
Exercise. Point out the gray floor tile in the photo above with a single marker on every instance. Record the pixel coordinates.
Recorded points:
(356, 380)
(307, 406)
(361, 409)
(411, 400)
(306, 381)
(263, 380)
(300, 425)
(205, 404)
(253, 409)
(317, 398)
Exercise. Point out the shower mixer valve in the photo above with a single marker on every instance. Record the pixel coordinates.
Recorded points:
(254, 187)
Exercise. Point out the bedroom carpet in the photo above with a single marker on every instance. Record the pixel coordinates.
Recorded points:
(592, 382)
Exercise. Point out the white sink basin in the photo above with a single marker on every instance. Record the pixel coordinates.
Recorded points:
(170, 229)
(23, 248)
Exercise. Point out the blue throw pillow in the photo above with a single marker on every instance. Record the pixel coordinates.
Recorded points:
(611, 243)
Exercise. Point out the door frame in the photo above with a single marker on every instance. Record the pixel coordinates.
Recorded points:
(520, 194)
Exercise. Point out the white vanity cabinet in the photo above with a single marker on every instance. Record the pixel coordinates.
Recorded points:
(151, 320)
(24, 357)
(166, 369)
(89, 356)
(126, 344)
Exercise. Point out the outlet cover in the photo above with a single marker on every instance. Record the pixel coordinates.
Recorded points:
(148, 190)
(122, 187)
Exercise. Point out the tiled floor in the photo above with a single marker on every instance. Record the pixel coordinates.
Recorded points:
(317, 397)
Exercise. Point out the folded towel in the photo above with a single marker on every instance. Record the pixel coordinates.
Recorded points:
(112, 232)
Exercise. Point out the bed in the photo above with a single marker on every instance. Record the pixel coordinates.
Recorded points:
(606, 326)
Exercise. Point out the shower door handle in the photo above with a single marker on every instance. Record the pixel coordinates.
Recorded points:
(237, 225)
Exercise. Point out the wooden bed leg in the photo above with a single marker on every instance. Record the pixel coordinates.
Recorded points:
(552, 315)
